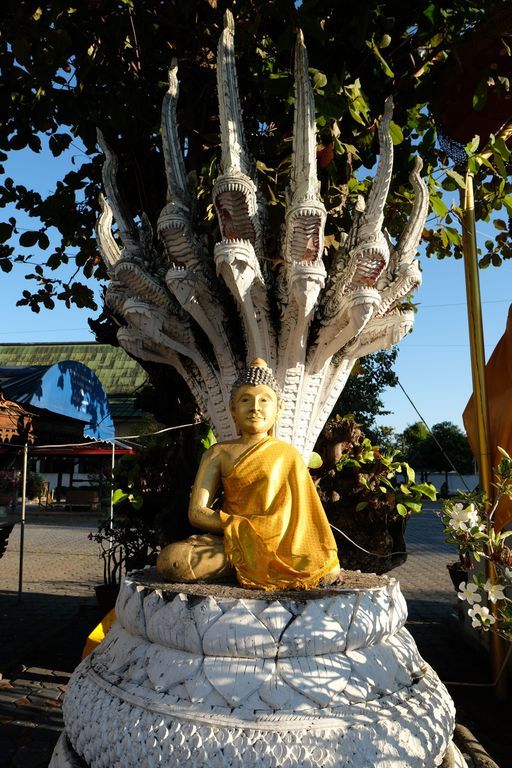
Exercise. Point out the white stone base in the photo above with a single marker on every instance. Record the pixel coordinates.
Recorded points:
(327, 678)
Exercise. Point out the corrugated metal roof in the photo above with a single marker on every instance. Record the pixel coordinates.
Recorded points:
(117, 372)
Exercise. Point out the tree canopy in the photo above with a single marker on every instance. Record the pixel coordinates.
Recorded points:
(70, 68)
(361, 395)
(422, 450)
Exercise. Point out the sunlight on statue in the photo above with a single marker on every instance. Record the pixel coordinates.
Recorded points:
(275, 534)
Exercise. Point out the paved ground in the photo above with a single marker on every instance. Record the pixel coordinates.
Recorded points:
(41, 638)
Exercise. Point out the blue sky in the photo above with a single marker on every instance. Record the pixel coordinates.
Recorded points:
(433, 363)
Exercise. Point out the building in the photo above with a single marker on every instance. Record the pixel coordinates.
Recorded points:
(120, 376)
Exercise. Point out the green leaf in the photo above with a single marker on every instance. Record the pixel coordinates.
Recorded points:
(43, 241)
(315, 461)
(411, 474)
(208, 440)
(507, 201)
(28, 239)
(5, 231)
(318, 78)
(362, 505)
(58, 143)
(396, 133)
(457, 177)
(414, 506)
(380, 58)
(429, 12)
(402, 510)
(480, 95)
(473, 165)
(500, 165)
(439, 206)
(500, 147)
(472, 146)
(135, 500)
(426, 489)
(118, 496)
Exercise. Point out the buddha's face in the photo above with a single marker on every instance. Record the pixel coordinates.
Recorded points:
(254, 409)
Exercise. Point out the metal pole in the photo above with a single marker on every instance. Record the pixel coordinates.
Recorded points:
(111, 525)
(23, 511)
(476, 341)
(111, 511)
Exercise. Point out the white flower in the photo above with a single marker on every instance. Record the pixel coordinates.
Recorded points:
(469, 592)
(481, 617)
(494, 591)
(463, 519)
(473, 517)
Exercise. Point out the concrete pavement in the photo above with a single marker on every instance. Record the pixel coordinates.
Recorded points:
(42, 637)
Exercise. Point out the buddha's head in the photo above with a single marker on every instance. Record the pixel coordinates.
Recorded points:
(256, 400)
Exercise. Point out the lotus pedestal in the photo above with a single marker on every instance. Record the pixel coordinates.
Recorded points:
(211, 675)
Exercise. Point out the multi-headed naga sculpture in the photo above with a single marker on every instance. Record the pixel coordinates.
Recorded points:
(175, 312)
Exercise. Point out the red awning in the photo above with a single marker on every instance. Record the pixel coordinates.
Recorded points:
(79, 450)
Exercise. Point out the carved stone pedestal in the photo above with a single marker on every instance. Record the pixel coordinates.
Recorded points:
(197, 675)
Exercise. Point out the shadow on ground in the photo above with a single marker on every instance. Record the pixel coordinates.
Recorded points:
(465, 670)
(41, 643)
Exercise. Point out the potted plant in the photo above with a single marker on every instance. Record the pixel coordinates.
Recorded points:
(368, 495)
(468, 524)
(131, 542)
(150, 506)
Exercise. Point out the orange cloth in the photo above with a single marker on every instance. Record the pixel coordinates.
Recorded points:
(498, 377)
(276, 533)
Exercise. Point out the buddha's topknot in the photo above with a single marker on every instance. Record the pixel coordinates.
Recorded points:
(258, 372)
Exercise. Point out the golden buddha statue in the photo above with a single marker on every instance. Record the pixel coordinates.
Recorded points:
(272, 529)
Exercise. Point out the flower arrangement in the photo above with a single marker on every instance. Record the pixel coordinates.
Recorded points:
(468, 523)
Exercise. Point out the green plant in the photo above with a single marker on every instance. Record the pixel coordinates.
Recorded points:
(368, 495)
(36, 485)
(468, 524)
(379, 475)
(129, 543)
(151, 490)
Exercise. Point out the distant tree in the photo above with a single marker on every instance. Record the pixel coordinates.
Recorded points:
(455, 446)
(362, 395)
(422, 449)
(414, 446)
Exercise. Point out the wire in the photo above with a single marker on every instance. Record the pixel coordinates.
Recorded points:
(112, 440)
(373, 554)
(450, 462)
(463, 303)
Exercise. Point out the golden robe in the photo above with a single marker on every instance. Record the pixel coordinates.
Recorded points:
(276, 533)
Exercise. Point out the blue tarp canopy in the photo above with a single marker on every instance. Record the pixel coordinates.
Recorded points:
(68, 388)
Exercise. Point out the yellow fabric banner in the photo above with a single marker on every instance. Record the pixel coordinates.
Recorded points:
(498, 377)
